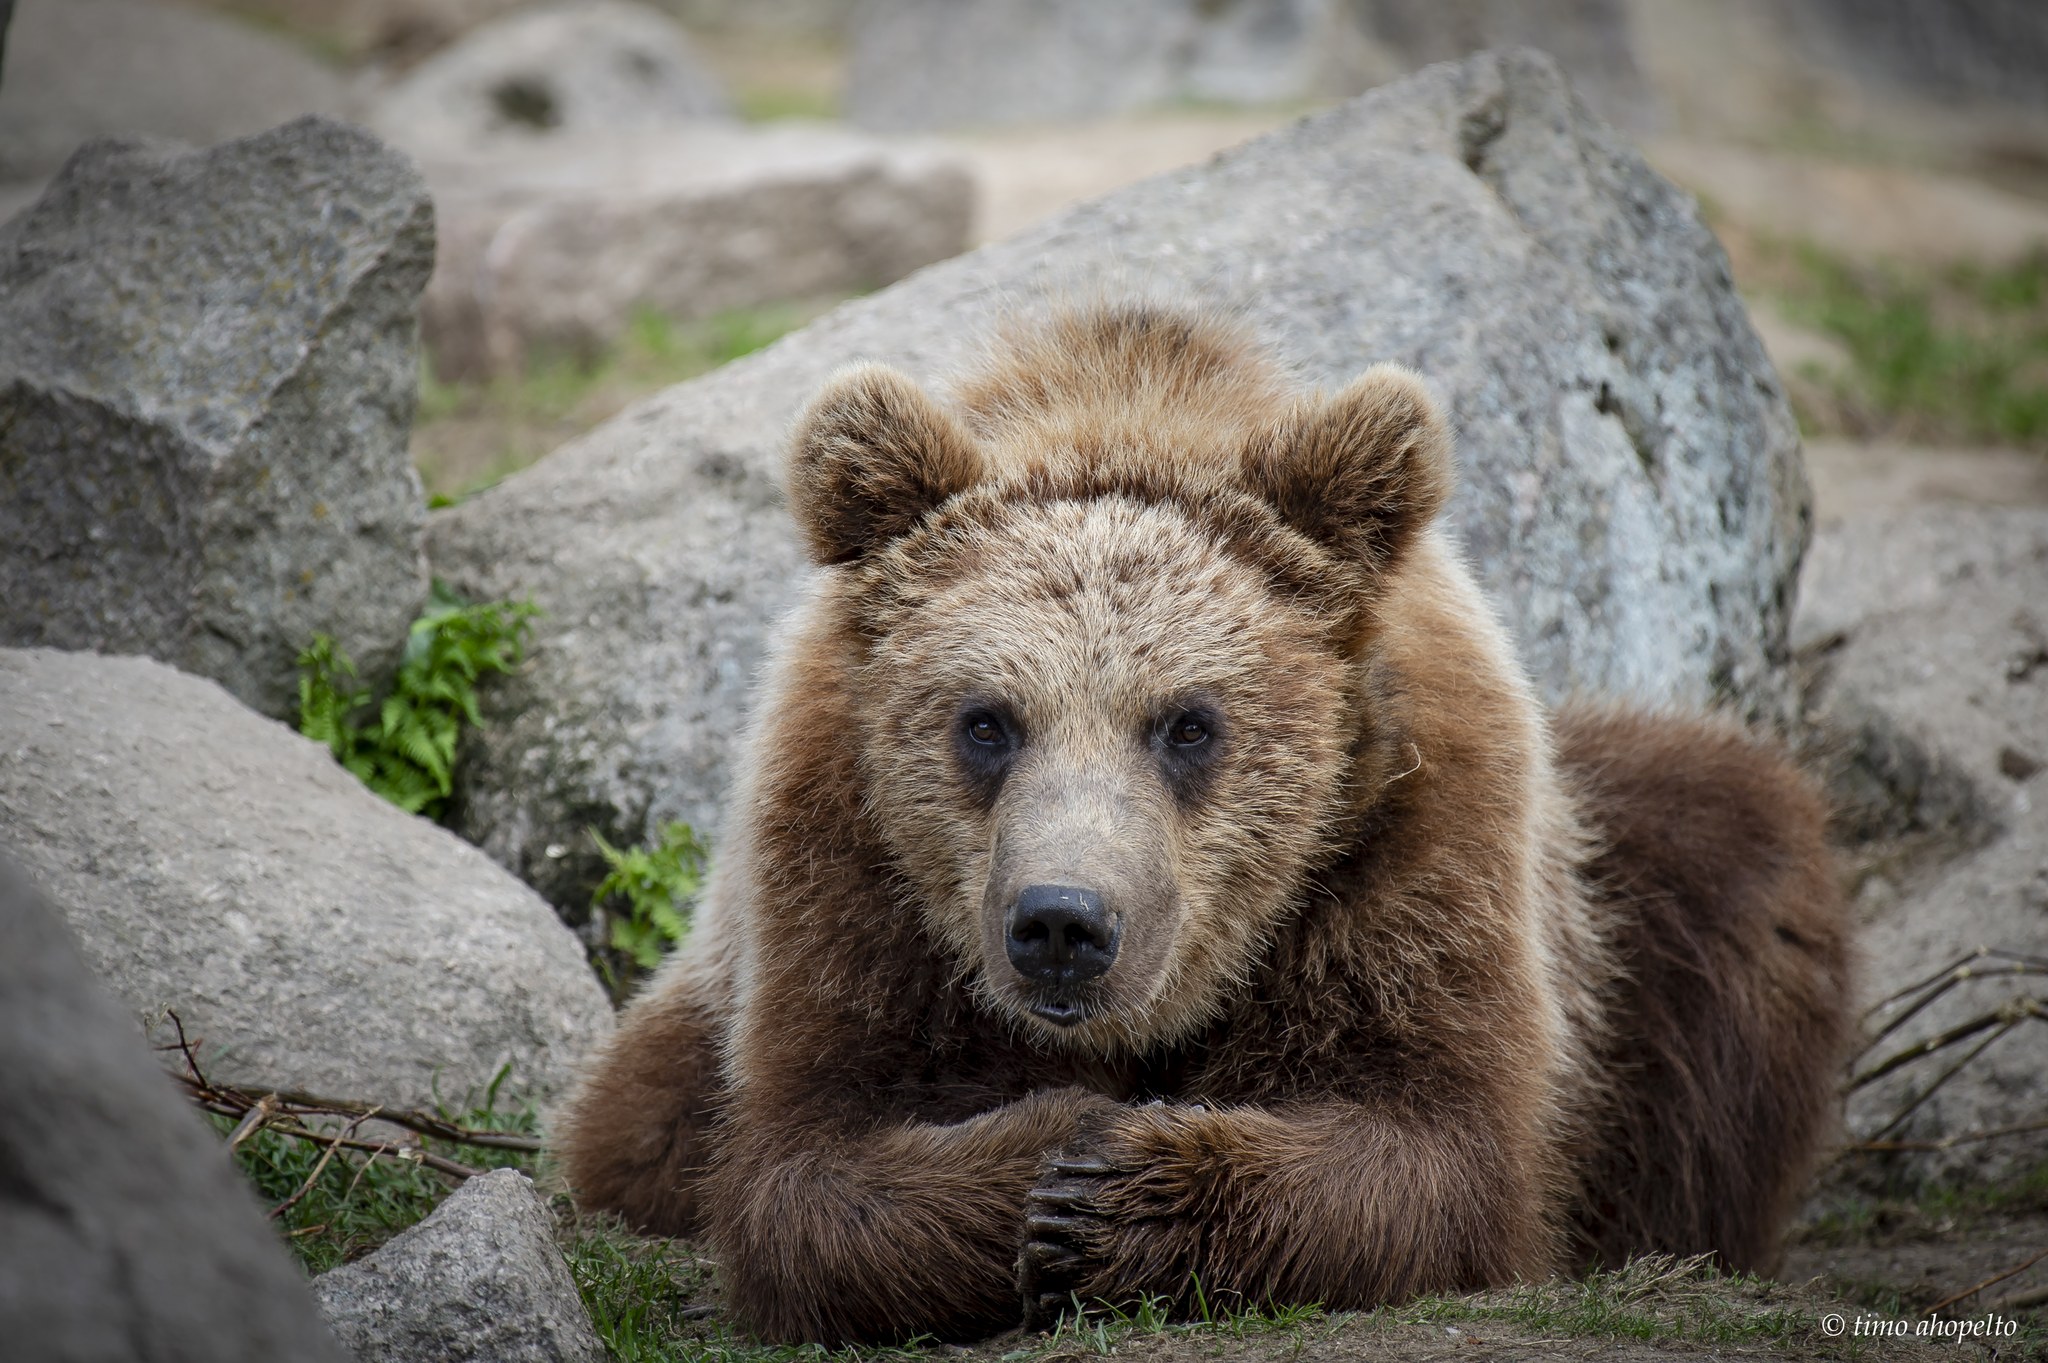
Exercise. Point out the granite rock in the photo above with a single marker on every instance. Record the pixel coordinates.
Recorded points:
(208, 364)
(216, 863)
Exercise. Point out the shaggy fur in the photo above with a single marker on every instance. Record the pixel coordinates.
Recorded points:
(1411, 995)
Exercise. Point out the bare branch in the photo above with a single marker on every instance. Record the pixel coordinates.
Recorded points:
(2010, 1013)
(2029, 964)
(1988, 1282)
(319, 1168)
(1946, 1142)
(1962, 974)
(1913, 1105)
(254, 1120)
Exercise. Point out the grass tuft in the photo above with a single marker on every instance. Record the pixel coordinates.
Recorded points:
(469, 434)
(1657, 1297)
(1956, 355)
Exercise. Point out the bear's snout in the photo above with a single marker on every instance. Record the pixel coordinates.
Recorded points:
(1060, 935)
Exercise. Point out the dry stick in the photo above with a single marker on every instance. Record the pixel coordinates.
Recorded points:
(231, 1101)
(2017, 1301)
(291, 1102)
(1961, 962)
(1988, 1282)
(1961, 974)
(453, 1168)
(2011, 1012)
(253, 1120)
(1949, 1142)
(1951, 1072)
(447, 1166)
(426, 1124)
(355, 1182)
(319, 1168)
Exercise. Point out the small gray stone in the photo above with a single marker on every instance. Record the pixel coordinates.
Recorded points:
(1631, 487)
(557, 244)
(481, 1279)
(318, 938)
(125, 1234)
(584, 67)
(208, 362)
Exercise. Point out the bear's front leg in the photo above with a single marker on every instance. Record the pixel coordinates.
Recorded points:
(836, 1231)
(1345, 1205)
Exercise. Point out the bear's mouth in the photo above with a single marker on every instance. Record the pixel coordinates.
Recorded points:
(1059, 1012)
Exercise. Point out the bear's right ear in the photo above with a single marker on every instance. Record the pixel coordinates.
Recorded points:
(872, 455)
(1363, 472)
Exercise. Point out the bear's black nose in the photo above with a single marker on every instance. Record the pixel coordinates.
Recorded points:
(1059, 934)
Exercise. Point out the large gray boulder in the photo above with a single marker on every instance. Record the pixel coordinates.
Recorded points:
(926, 64)
(1930, 631)
(126, 1236)
(318, 938)
(481, 1279)
(80, 69)
(555, 245)
(208, 363)
(1632, 490)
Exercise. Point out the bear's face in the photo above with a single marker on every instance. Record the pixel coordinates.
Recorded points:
(1110, 706)
(1107, 756)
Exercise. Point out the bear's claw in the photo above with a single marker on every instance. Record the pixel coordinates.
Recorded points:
(1059, 1223)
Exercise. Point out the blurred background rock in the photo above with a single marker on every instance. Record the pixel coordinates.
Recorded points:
(1858, 159)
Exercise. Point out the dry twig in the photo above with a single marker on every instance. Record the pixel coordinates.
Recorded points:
(285, 1111)
(1988, 1282)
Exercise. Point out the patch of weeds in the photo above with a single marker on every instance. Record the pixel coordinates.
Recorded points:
(1650, 1298)
(468, 434)
(404, 747)
(360, 1199)
(1959, 354)
(646, 898)
(771, 104)
(1914, 1212)
(1103, 1326)
(643, 1298)
(637, 1292)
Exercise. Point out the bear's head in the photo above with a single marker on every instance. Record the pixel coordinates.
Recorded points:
(1115, 695)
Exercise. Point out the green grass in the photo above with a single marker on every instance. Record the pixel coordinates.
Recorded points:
(1103, 1327)
(469, 434)
(1649, 1299)
(771, 104)
(360, 1200)
(637, 1292)
(1957, 355)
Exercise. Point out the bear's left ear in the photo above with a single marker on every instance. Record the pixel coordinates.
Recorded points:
(1362, 472)
(872, 454)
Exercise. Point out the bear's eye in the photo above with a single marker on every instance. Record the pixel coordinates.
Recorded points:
(985, 744)
(1187, 731)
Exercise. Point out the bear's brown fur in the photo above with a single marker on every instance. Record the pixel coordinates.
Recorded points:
(1410, 990)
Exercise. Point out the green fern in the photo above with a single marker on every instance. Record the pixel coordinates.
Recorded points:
(656, 886)
(406, 753)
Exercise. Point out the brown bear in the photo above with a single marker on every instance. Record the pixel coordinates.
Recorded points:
(1155, 875)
